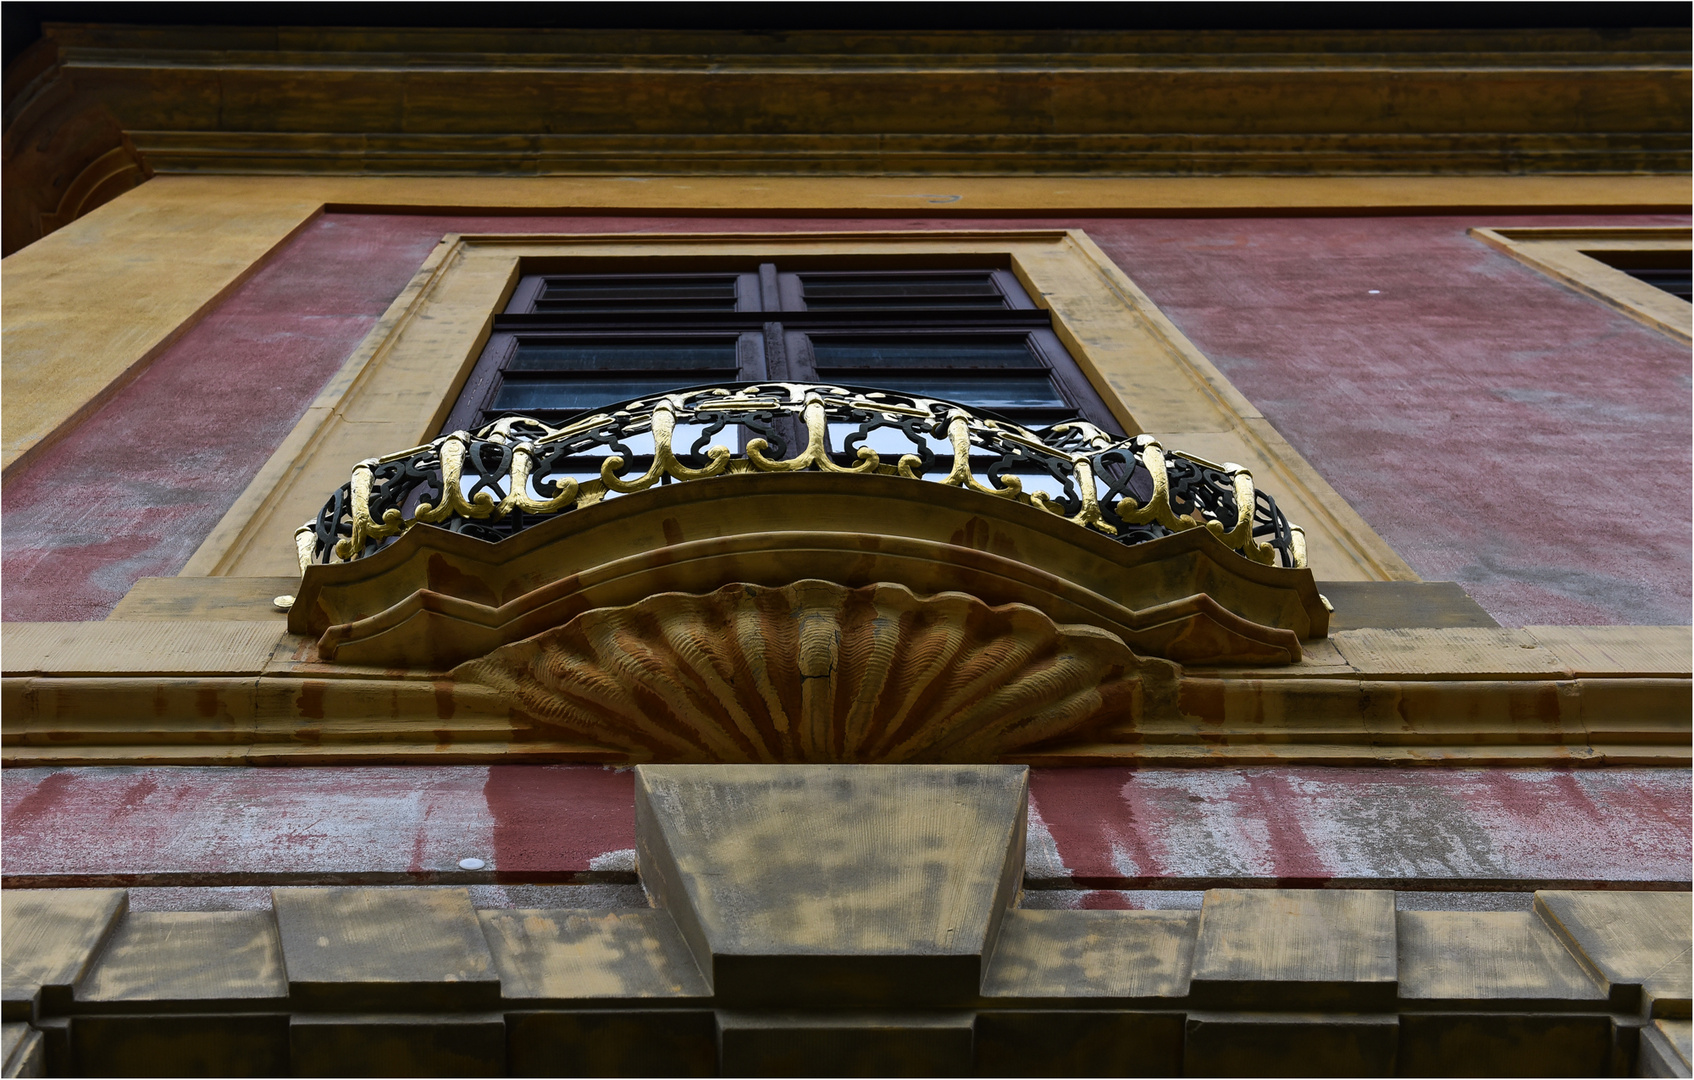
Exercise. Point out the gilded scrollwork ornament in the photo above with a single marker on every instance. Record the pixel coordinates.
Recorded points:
(498, 480)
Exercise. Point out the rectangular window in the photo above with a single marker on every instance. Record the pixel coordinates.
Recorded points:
(568, 343)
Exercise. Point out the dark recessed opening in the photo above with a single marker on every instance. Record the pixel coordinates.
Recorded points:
(1672, 271)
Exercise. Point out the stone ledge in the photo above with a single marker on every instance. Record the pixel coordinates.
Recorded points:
(1481, 992)
(758, 863)
(1470, 695)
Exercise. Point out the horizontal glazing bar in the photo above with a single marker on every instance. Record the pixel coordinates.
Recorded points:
(635, 355)
(886, 319)
(644, 303)
(999, 392)
(859, 285)
(1004, 351)
(724, 287)
(903, 303)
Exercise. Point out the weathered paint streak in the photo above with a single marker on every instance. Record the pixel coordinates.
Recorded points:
(1106, 829)
(229, 826)
(1315, 827)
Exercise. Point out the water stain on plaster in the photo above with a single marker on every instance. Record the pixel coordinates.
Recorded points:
(550, 822)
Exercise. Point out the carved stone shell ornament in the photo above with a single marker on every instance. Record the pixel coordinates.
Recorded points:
(818, 672)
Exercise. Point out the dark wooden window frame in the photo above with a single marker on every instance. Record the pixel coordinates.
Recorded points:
(773, 331)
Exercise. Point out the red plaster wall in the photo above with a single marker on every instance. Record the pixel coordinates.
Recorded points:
(1099, 829)
(1496, 428)
(141, 483)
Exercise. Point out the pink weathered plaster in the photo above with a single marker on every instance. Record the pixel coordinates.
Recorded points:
(1498, 429)
(137, 487)
(178, 825)
(1098, 829)
(1459, 829)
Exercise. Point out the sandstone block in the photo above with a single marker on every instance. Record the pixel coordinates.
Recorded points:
(51, 938)
(840, 885)
(412, 949)
(1296, 948)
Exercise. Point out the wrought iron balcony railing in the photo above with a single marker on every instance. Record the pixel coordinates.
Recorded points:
(517, 471)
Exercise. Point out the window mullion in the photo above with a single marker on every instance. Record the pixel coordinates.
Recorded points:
(749, 293)
(777, 366)
(750, 355)
(791, 293)
(770, 293)
(802, 364)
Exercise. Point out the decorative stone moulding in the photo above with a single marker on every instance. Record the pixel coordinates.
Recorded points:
(819, 672)
(435, 598)
(576, 554)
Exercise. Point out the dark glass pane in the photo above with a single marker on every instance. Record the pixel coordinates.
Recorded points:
(928, 352)
(643, 293)
(945, 290)
(997, 392)
(625, 355)
(572, 395)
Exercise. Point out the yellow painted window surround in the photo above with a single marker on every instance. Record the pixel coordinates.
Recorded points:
(1596, 261)
(398, 387)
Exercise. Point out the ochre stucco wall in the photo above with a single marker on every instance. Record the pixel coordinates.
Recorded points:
(1472, 410)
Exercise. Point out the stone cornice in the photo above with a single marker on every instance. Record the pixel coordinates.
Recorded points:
(440, 102)
(225, 689)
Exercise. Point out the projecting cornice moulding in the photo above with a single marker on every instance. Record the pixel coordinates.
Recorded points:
(228, 688)
(461, 103)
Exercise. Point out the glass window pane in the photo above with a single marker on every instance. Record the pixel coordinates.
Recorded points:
(997, 392)
(625, 355)
(645, 293)
(1003, 351)
(971, 289)
(574, 395)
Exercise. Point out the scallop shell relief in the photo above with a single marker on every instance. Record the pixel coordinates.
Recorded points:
(818, 672)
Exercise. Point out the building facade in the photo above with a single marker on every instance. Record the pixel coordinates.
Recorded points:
(613, 552)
